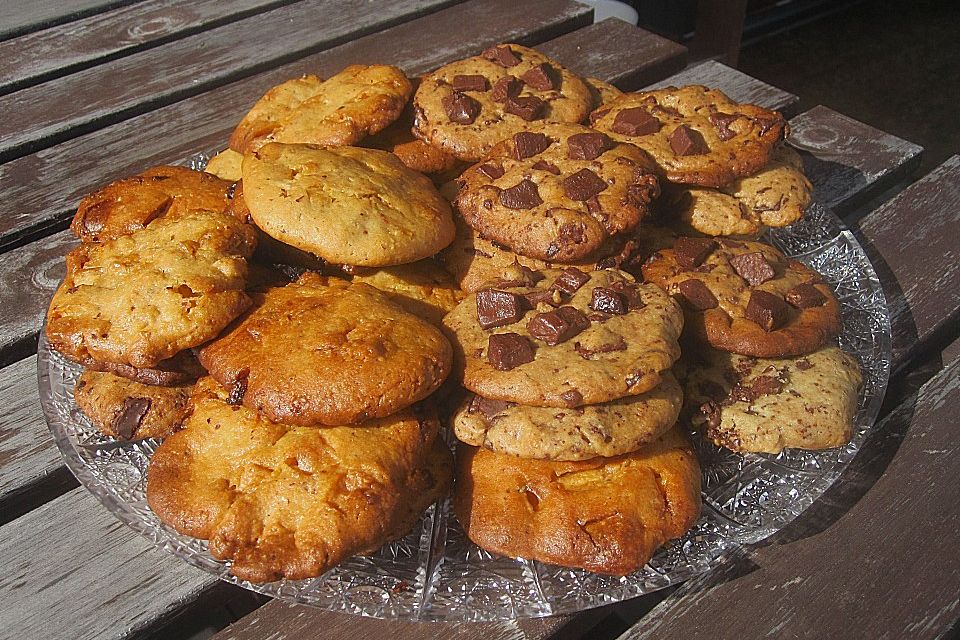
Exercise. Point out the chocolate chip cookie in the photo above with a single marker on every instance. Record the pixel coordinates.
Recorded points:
(557, 193)
(603, 92)
(697, 135)
(127, 410)
(746, 297)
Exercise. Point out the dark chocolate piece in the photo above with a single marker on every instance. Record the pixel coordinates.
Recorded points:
(572, 398)
(527, 144)
(554, 327)
(767, 310)
(753, 268)
(497, 308)
(492, 171)
(506, 351)
(541, 77)
(630, 293)
(570, 280)
(546, 296)
(508, 87)
(804, 296)
(489, 408)
(722, 122)
(523, 195)
(461, 108)
(697, 295)
(470, 83)
(239, 387)
(583, 185)
(635, 121)
(126, 423)
(688, 142)
(691, 252)
(502, 55)
(543, 165)
(606, 300)
(527, 107)
(587, 146)
(619, 345)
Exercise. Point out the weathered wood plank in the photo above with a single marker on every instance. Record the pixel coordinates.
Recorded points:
(59, 50)
(38, 116)
(21, 17)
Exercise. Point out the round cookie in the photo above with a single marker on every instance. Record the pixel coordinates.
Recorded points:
(607, 515)
(326, 351)
(358, 101)
(544, 433)
(468, 106)
(130, 204)
(763, 405)
(746, 297)
(696, 135)
(345, 204)
(558, 193)
(422, 288)
(611, 338)
(225, 165)
(292, 502)
(126, 410)
(140, 299)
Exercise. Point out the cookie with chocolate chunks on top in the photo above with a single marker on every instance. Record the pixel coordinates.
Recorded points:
(746, 297)
(697, 135)
(468, 106)
(557, 193)
(560, 351)
(127, 410)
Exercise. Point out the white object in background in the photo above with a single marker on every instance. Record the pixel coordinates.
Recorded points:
(603, 9)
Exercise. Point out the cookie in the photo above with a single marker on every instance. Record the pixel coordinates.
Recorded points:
(358, 101)
(763, 405)
(422, 288)
(565, 338)
(544, 433)
(696, 135)
(468, 106)
(140, 299)
(292, 502)
(326, 351)
(603, 93)
(345, 204)
(557, 193)
(130, 204)
(747, 297)
(182, 368)
(606, 515)
(127, 410)
(225, 165)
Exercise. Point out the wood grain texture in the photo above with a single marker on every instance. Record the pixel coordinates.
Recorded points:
(18, 17)
(38, 116)
(42, 54)
(43, 188)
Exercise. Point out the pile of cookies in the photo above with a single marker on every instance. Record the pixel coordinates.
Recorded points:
(500, 246)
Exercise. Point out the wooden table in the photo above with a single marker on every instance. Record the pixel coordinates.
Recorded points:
(93, 90)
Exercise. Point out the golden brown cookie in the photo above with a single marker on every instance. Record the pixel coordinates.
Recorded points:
(130, 204)
(423, 288)
(346, 205)
(697, 135)
(746, 297)
(326, 351)
(468, 106)
(764, 405)
(127, 410)
(565, 338)
(557, 193)
(603, 93)
(225, 165)
(358, 101)
(606, 515)
(292, 502)
(180, 369)
(549, 433)
(140, 299)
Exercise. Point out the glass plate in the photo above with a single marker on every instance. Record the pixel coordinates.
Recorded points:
(436, 573)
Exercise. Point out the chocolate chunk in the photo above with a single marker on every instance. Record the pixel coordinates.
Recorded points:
(497, 308)
(594, 208)
(546, 296)
(804, 296)
(529, 107)
(543, 165)
(571, 233)
(541, 77)
(609, 301)
(527, 144)
(489, 408)
(803, 364)
(239, 387)
(126, 423)
(502, 55)
(753, 268)
(470, 83)
(767, 310)
(711, 411)
(722, 122)
(583, 185)
(523, 195)
(572, 398)
(506, 351)
(761, 386)
(508, 87)
(767, 123)
(587, 146)
(697, 295)
(691, 252)
(687, 142)
(630, 294)
(570, 280)
(461, 108)
(597, 114)
(635, 122)
(492, 171)
(554, 327)
(619, 345)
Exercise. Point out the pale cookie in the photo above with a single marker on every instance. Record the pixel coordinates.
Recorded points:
(764, 405)
(423, 288)
(468, 106)
(697, 135)
(127, 410)
(326, 351)
(747, 297)
(292, 502)
(346, 205)
(358, 101)
(225, 165)
(571, 339)
(558, 193)
(130, 204)
(544, 433)
(607, 515)
(140, 299)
